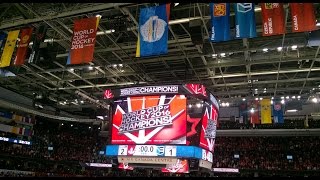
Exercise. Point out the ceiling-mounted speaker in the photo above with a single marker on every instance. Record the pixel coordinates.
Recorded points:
(196, 31)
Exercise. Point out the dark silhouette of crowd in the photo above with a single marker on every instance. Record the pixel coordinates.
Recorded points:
(62, 149)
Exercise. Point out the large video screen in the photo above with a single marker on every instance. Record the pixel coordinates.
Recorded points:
(149, 120)
(209, 127)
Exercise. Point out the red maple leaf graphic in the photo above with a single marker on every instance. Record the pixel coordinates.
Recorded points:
(194, 122)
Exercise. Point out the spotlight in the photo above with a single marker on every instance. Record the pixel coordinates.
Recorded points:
(293, 97)
(223, 54)
(176, 4)
(223, 104)
(261, 98)
(61, 124)
(81, 102)
(120, 65)
(265, 49)
(190, 105)
(251, 110)
(299, 97)
(279, 48)
(243, 99)
(294, 47)
(282, 101)
(315, 100)
(256, 99)
(71, 69)
(198, 105)
(90, 67)
(271, 102)
(71, 125)
(287, 97)
(98, 16)
(227, 104)
(272, 97)
(89, 127)
(282, 97)
(214, 55)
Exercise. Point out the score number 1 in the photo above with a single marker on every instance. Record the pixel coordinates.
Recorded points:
(170, 151)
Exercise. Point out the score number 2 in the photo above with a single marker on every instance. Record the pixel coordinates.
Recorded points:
(123, 150)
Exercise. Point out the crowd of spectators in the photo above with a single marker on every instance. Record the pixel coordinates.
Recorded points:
(73, 145)
(268, 153)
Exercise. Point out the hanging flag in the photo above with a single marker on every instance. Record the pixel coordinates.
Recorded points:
(254, 112)
(273, 19)
(9, 48)
(83, 40)
(220, 21)
(2, 39)
(25, 37)
(265, 106)
(153, 31)
(243, 118)
(37, 40)
(303, 17)
(245, 20)
(277, 113)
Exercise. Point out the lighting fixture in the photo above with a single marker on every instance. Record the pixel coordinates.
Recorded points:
(271, 102)
(112, 30)
(272, 97)
(287, 97)
(294, 47)
(198, 105)
(190, 106)
(299, 97)
(120, 65)
(292, 110)
(214, 55)
(98, 16)
(176, 4)
(279, 48)
(89, 127)
(265, 49)
(293, 97)
(90, 67)
(223, 104)
(223, 54)
(252, 110)
(261, 98)
(61, 124)
(282, 101)
(71, 125)
(71, 69)
(81, 102)
(318, 24)
(315, 100)
(282, 97)
(227, 104)
(243, 99)
(256, 99)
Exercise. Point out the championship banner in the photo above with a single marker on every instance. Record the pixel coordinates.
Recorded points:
(254, 112)
(303, 17)
(9, 48)
(37, 40)
(83, 40)
(220, 21)
(265, 105)
(209, 127)
(2, 39)
(149, 120)
(25, 38)
(243, 118)
(273, 19)
(277, 113)
(153, 31)
(245, 20)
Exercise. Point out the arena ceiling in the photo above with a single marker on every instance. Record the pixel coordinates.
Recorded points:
(232, 70)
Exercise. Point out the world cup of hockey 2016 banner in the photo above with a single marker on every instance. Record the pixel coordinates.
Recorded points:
(220, 21)
(9, 48)
(277, 113)
(303, 17)
(25, 37)
(245, 20)
(265, 106)
(243, 118)
(153, 31)
(273, 19)
(83, 40)
(37, 40)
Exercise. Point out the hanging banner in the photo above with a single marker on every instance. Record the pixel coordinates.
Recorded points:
(37, 40)
(220, 21)
(243, 118)
(25, 38)
(2, 39)
(278, 113)
(153, 31)
(245, 20)
(83, 40)
(9, 48)
(273, 19)
(303, 17)
(265, 106)
(254, 112)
